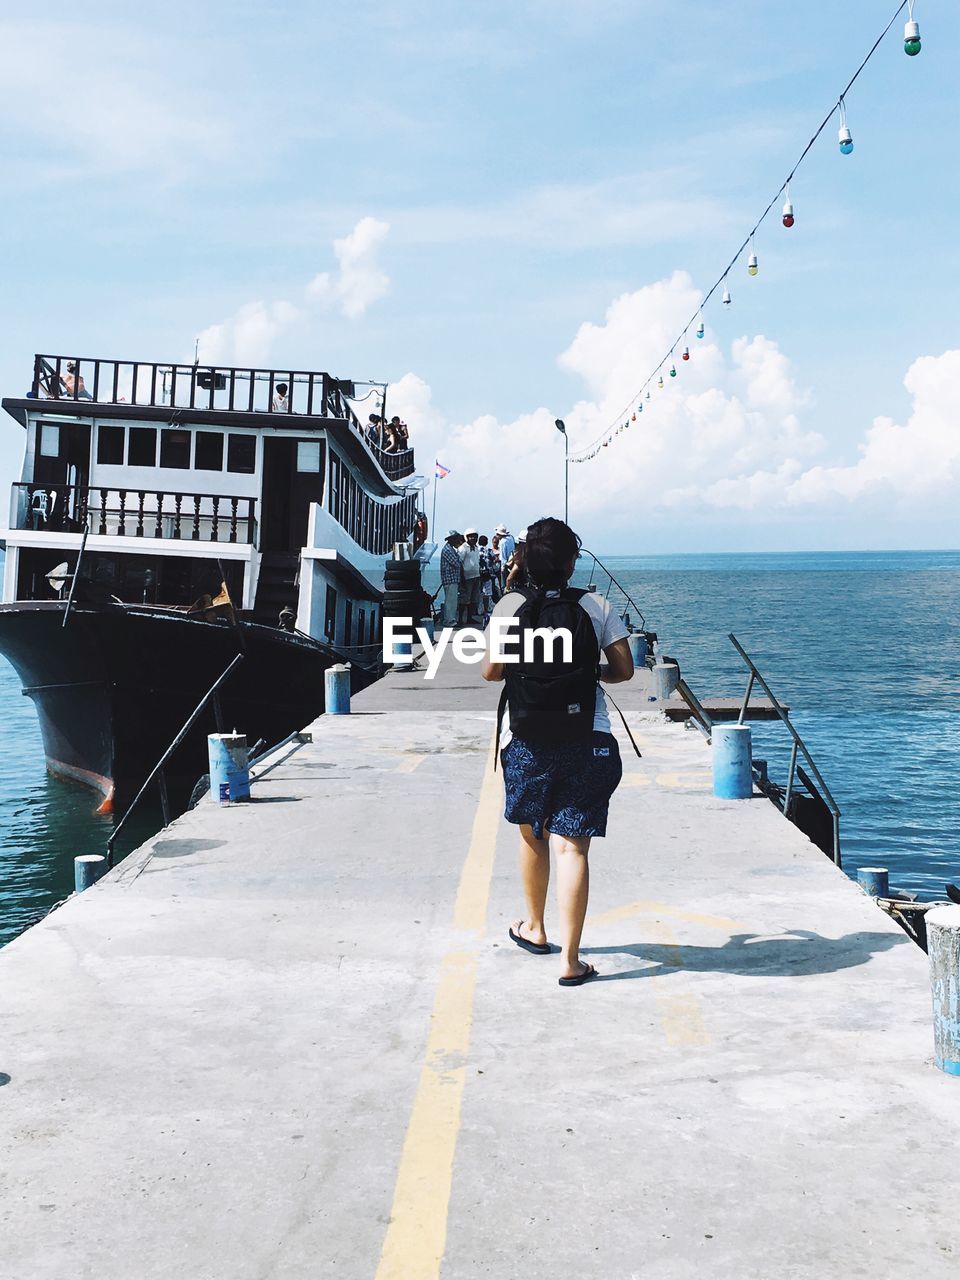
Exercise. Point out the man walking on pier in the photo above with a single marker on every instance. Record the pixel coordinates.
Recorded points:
(450, 569)
(561, 762)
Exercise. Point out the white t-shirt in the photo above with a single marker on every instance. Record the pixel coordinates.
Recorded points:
(607, 626)
(470, 559)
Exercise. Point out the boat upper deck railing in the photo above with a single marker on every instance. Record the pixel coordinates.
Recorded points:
(270, 394)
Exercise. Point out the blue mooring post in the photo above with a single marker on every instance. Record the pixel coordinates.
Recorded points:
(874, 880)
(229, 772)
(943, 945)
(638, 648)
(732, 756)
(336, 690)
(87, 870)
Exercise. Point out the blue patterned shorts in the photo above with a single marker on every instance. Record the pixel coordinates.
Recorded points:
(565, 789)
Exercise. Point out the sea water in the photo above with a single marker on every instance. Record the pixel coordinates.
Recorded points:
(864, 647)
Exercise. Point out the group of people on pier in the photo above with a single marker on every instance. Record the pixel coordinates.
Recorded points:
(475, 571)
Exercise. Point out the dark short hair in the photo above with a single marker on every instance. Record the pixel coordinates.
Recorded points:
(482, 539)
(282, 388)
(551, 546)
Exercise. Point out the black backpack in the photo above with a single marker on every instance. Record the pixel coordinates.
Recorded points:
(552, 702)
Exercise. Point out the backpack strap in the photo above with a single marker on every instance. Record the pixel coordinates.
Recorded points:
(625, 725)
(500, 710)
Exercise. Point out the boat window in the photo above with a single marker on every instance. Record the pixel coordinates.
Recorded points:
(143, 447)
(175, 449)
(209, 451)
(330, 618)
(110, 442)
(347, 622)
(49, 441)
(361, 627)
(241, 454)
(308, 455)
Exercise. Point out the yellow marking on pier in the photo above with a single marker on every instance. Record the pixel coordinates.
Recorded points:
(617, 914)
(417, 1235)
(408, 763)
(693, 778)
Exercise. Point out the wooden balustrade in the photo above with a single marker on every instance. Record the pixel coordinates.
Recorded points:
(149, 513)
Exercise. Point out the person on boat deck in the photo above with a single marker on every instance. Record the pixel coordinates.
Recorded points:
(73, 381)
(375, 430)
(470, 586)
(280, 399)
(450, 570)
(558, 792)
(401, 434)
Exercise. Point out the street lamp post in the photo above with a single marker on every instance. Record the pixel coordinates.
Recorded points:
(562, 428)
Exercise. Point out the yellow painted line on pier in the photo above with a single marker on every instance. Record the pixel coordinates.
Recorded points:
(408, 763)
(417, 1235)
(617, 914)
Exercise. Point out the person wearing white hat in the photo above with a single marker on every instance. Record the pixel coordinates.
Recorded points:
(470, 587)
(450, 571)
(507, 547)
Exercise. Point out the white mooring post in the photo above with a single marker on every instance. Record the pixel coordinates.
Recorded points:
(336, 690)
(943, 946)
(666, 677)
(638, 648)
(87, 870)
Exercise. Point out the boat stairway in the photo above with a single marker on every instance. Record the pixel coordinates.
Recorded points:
(277, 586)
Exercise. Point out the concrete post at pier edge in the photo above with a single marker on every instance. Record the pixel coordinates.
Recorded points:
(666, 677)
(336, 690)
(943, 945)
(638, 648)
(874, 880)
(87, 870)
(229, 773)
(731, 747)
(403, 652)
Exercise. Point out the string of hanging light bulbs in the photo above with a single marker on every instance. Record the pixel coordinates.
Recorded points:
(911, 47)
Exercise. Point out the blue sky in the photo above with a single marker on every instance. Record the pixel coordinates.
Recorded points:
(510, 174)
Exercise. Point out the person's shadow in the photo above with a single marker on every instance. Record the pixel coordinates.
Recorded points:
(753, 955)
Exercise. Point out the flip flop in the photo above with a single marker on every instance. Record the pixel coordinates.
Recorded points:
(536, 948)
(588, 973)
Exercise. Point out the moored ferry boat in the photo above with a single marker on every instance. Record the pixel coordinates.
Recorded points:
(170, 517)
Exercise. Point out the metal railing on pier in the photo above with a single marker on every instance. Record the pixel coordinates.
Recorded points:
(592, 573)
(157, 773)
(135, 513)
(815, 784)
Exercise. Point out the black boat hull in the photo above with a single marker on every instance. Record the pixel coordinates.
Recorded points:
(114, 687)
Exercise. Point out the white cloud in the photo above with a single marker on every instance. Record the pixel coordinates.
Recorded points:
(360, 281)
(247, 337)
(98, 100)
(632, 209)
(730, 432)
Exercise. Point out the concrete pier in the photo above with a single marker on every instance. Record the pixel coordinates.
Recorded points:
(292, 1039)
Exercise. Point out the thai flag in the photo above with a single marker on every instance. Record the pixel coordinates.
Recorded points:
(442, 471)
